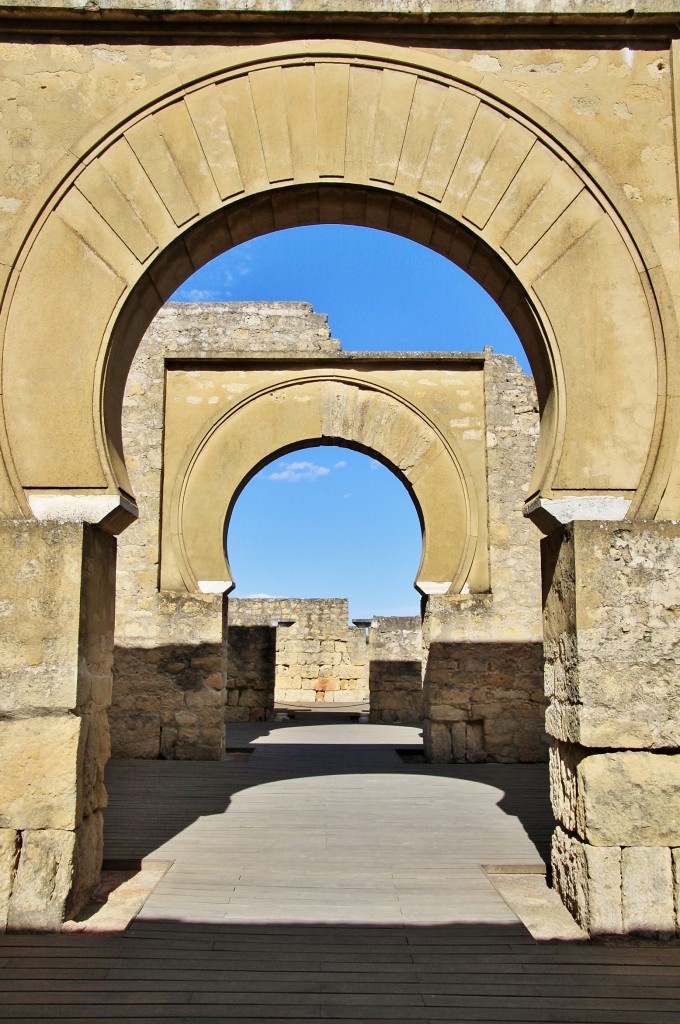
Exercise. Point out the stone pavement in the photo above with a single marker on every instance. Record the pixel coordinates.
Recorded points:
(326, 878)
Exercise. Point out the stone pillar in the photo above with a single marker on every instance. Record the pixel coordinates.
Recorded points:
(56, 645)
(612, 645)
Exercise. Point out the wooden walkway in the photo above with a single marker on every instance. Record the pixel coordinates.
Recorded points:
(323, 878)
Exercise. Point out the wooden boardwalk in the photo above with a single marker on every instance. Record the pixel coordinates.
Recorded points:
(323, 878)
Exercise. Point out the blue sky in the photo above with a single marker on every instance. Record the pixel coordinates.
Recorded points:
(330, 522)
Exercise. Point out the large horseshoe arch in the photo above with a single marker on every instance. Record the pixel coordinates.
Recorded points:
(357, 133)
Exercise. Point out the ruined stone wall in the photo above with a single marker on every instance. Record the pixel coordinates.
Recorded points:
(169, 673)
(395, 679)
(251, 673)
(483, 676)
(319, 658)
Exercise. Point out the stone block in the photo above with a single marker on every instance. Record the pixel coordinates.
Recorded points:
(675, 854)
(95, 750)
(437, 741)
(9, 855)
(57, 635)
(588, 880)
(630, 798)
(39, 784)
(648, 891)
(56, 874)
(611, 634)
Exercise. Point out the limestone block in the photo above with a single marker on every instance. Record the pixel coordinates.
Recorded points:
(647, 877)
(612, 637)
(56, 874)
(43, 879)
(9, 855)
(200, 744)
(437, 741)
(676, 886)
(588, 880)
(39, 778)
(57, 616)
(95, 750)
(563, 760)
(631, 798)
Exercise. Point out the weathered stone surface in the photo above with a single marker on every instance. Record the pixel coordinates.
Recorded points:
(630, 798)
(95, 750)
(611, 637)
(647, 880)
(395, 681)
(588, 880)
(438, 743)
(57, 627)
(135, 733)
(9, 855)
(56, 874)
(315, 656)
(39, 784)
(675, 854)
(43, 880)
(491, 697)
(627, 798)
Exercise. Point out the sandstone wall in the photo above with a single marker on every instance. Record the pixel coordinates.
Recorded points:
(319, 657)
(395, 680)
(169, 672)
(483, 676)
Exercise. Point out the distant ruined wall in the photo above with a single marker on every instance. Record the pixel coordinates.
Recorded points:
(169, 672)
(483, 677)
(318, 659)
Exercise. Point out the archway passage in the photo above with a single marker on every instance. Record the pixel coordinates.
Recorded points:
(402, 410)
(355, 135)
(351, 132)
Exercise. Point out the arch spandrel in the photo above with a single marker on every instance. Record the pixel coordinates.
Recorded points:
(203, 480)
(367, 118)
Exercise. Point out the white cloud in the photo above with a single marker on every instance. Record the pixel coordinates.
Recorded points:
(295, 471)
(198, 295)
(339, 465)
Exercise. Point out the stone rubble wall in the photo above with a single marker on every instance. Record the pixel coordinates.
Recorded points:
(395, 677)
(319, 658)
(483, 674)
(169, 686)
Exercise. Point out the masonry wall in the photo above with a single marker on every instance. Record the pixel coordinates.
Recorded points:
(169, 686)
(482, 691)
(395, 679)
(318, 659)
(483, 674)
